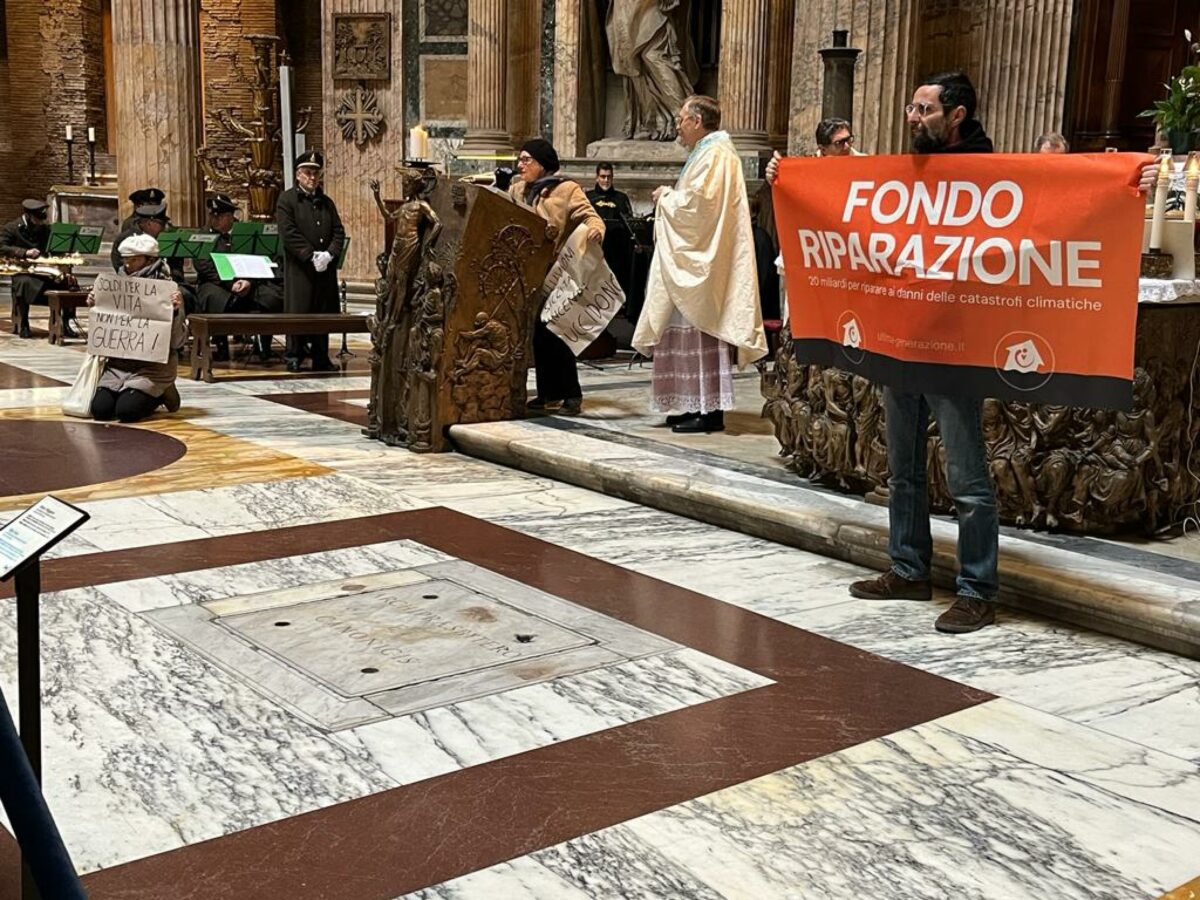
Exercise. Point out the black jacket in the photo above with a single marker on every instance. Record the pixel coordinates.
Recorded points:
(18, 236)
(971, 139)
(613, 206)
(308, 223)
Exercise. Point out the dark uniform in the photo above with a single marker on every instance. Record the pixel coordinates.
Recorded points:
(150, 196)
(30, 232)
(214, 295)
(308, 224)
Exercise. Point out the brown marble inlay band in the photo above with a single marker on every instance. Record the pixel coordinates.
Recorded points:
(828, 696)
(326, 403)
(12, 377)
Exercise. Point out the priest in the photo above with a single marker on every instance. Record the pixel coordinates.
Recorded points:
(702, 312)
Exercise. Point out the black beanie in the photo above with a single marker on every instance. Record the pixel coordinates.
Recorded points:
(542, 151)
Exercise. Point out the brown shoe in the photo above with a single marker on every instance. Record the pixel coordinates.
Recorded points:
(966, 615)
(170, 398)
(890, 586)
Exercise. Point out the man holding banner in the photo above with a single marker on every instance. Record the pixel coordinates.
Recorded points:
(702, 294)
(950, 278)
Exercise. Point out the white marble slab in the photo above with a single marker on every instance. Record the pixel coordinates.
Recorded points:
(997, 802)
(149, 748)
(1125, 689)
(477, 731)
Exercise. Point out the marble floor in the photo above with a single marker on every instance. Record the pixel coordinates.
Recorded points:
(290, 662)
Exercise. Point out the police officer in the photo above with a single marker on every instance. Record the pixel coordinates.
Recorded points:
(25, 238)
(150, 196)
(311, 238)
(213, 295)
(153, 220)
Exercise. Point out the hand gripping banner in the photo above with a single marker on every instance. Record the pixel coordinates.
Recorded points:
(997, 275)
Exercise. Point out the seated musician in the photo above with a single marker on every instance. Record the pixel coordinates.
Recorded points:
(130, 390)
(24, 240)
(242, 295)
(149, 196)
(152, 220)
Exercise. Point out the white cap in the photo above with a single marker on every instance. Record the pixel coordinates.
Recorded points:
(138, 245)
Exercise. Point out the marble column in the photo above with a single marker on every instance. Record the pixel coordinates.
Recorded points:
(743, 74)
(1021, 51)
(487, 79)
(524, 59)
(779, 74)
(885, 30)
(567, 77)
(156, 61)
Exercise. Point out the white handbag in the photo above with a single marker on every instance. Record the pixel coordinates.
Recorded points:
(78, 401)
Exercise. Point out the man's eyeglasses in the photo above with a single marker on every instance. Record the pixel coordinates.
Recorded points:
(524, 158)
(923, 109)
(843, 143)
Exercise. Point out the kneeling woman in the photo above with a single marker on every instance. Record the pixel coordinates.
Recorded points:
(132, 389)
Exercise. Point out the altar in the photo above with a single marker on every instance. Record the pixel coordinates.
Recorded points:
(1081, 470)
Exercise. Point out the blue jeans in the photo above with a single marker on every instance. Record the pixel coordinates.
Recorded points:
(910, 543)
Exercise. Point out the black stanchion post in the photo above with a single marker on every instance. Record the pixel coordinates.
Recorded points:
(344, 353)
(28, 585)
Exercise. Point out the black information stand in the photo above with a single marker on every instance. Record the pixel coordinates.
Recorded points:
(47, 871)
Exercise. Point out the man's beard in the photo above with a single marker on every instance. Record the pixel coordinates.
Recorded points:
(923, 141)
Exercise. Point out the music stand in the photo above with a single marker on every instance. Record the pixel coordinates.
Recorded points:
(67, 238)
(244, 237)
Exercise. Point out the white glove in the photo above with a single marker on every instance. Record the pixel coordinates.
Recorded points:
(321, 260)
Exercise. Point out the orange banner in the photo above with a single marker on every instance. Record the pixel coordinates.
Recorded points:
(999, 275)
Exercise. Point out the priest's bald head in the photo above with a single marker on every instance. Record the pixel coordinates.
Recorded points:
(699, 115)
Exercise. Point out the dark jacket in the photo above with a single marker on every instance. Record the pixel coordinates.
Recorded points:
(174, 263)
(614, 208)
(971, 139)
(308, 223)
(216, 296)
(18, 236)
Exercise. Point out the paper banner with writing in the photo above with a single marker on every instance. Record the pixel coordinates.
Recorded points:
(1006, 275)
(582, 294)
(131, 318)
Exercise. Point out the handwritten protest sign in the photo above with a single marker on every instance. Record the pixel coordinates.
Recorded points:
(582, 293)
(1011, 276)
(131, 318)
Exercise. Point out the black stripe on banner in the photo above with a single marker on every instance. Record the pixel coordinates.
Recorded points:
(1094, 391)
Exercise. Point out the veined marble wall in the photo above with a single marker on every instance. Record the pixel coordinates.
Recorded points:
(435, 67)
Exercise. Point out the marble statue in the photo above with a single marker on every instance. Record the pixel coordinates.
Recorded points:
(650, 46)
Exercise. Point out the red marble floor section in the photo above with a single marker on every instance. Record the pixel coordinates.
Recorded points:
(47, 455)
(828, 697)
(326, 403)
(12, 377)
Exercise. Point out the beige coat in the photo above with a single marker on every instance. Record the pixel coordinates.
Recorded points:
(704, 262)
(566, 207)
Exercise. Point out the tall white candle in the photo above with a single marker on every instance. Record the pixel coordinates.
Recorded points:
(1160, 201)
(1191, 180)
(91, 135)
(69, 133)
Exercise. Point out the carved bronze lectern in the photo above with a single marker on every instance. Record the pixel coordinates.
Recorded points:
(455, 306)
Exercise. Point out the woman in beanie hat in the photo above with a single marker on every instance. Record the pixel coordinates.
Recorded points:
(131, 389)
(563, 204)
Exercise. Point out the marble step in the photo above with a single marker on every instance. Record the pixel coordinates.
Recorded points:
(1111, 593)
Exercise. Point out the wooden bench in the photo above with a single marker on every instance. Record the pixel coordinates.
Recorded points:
(62, 308)
(209, 325)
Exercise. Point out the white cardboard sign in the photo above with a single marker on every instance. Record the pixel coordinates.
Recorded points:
(131, 318)
(582, 293)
